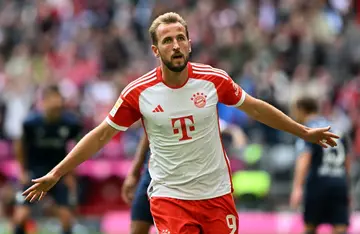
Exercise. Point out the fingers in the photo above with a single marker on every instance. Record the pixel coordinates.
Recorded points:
(30, 196)
(332, 135)
(42, 195)
(31, 189)
(322, 144)
(124, 197)
(38, 180)
(331, 142)
(128, 197)
(35, 196)
(125, 194)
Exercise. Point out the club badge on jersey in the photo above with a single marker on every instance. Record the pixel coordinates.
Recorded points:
(199, 100)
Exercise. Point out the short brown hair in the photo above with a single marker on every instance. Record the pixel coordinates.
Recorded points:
(50, 90)
(307, 104)
(167, 18)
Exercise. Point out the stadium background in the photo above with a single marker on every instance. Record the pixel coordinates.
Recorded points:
(275, 49)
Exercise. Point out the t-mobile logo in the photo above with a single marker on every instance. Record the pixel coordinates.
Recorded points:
(185, 122)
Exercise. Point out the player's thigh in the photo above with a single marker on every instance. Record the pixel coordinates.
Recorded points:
(219, 215)
(21, 213)
(140, 208)
(310, 229)
(340, 229)
(140, 227)
(174, 216)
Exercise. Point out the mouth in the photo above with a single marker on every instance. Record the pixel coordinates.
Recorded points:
(177, 56)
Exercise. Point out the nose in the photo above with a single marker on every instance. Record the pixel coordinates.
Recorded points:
(176, 45)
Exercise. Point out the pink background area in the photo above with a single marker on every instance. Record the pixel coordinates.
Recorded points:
(250, 223)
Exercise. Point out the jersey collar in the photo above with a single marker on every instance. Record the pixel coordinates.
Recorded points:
(159, 76)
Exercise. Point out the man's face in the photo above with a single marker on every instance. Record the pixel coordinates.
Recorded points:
(173, 47)
(53, 103)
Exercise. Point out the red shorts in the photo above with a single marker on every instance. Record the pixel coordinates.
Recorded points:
(211, 216)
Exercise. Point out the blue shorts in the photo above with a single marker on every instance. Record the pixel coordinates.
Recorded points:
(326, 208)
(140, 209)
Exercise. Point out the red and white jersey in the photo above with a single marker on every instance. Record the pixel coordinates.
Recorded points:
(187, 158)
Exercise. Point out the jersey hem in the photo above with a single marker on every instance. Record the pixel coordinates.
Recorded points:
(114, 125)
(191, 198)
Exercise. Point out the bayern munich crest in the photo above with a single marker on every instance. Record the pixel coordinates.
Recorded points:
(199, 99)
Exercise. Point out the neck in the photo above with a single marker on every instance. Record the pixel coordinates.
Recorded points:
(174, 78)
(51, 116)
(310, 117)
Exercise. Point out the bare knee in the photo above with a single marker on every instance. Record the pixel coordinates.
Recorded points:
(140, 227)
(65, 216)
(310, 229)
(21, 214)
(340, 229)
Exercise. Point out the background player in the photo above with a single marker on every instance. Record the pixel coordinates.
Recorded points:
(326, 197)
(42, 146)
(134, 189)
(177, 102)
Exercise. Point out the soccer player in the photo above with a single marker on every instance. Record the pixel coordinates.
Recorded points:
(42, 146)
(326, 196)
(190, 190)
(134, 189)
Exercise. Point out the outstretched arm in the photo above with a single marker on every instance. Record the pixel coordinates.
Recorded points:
(87, 146)
(269, 115)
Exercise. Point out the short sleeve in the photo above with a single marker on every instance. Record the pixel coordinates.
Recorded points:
(230, 93)
(124, 113)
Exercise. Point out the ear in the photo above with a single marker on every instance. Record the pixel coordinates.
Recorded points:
(155, 51)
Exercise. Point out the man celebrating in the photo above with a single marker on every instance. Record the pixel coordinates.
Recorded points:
(190, 190)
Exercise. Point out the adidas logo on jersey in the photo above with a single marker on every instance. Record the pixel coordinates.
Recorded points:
(158, 109)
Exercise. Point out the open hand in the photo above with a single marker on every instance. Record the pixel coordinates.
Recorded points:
(321, 136)
(40, 187)
(128, 188)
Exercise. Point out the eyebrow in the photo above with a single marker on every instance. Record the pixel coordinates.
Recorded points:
(178, 35)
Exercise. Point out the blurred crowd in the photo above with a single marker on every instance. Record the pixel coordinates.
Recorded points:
(277, 50)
